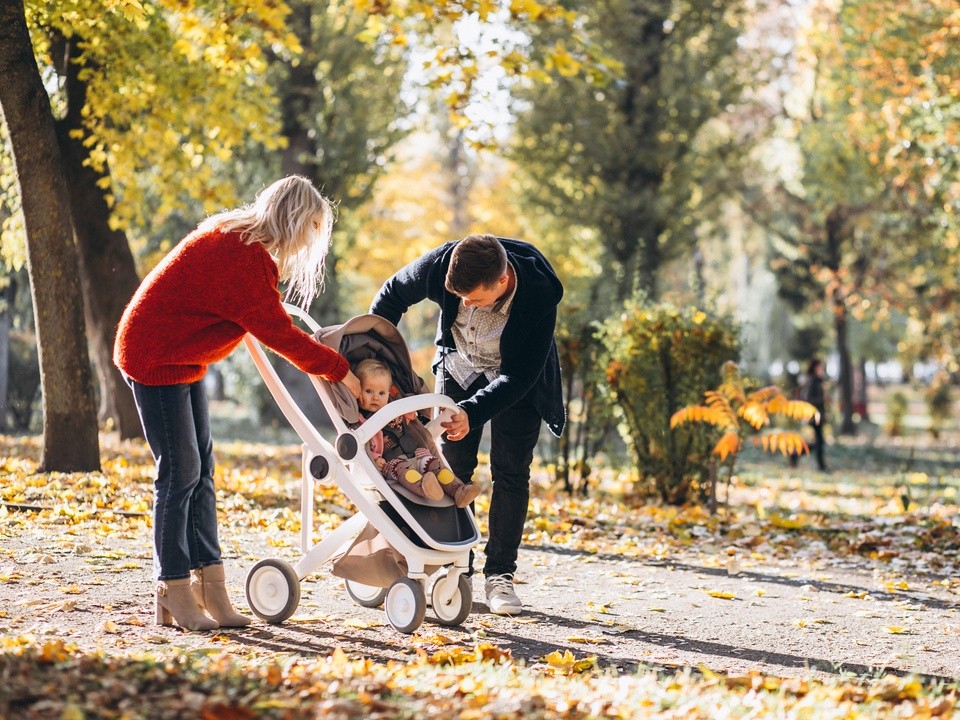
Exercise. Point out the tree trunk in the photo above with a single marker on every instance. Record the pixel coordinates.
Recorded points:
(458, 180)
(70, 437)
(298, 158)
(862, 394)
(6, 312)
(108, 273)
(847, 425)
(836, 228)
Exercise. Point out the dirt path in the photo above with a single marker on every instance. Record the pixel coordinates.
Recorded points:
(786, 619)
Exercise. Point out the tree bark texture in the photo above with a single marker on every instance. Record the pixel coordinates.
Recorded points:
(70, 433)
(837, 231)
(108, 273)
(6, 311)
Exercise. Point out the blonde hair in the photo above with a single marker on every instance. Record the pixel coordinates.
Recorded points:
(371, 368)
(293, 222)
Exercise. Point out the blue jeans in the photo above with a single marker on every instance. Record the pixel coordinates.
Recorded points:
(176, 423)
(513, 436)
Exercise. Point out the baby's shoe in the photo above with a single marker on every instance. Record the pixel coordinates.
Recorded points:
(465, 494)
(426, 485)
(462, 493)
(431, 487)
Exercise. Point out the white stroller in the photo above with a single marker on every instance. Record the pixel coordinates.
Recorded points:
(428, 535)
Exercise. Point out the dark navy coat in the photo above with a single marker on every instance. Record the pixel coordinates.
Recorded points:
(529, 363)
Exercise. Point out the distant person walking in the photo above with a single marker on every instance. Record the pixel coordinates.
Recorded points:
(812, 390)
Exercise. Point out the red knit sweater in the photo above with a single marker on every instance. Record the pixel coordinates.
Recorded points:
(195, 307)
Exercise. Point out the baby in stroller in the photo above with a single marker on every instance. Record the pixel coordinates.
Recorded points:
(401, 450)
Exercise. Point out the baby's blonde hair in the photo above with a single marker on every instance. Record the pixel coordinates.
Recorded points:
(372, 368)
(294, 222)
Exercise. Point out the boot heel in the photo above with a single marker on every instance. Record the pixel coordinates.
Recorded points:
(163, 615)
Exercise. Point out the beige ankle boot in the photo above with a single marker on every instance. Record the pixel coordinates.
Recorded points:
(175, 602)
(210, 589)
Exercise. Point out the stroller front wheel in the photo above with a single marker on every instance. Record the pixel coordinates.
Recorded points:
(273, 590)
(455, 610)
(369, 596)
(405, 605)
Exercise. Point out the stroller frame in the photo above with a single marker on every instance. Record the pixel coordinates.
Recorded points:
(273, 584)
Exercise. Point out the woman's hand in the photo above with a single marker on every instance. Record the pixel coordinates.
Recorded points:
(352, 384)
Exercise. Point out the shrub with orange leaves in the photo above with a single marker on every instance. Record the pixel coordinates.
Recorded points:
(735, 411)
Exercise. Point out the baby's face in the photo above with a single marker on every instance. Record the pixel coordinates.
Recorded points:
(374, 392)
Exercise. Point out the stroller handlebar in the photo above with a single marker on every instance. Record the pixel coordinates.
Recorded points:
(396, 408)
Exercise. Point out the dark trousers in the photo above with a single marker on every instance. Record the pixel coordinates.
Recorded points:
(176, 423)
(817, 449)
(513, 436)
(818, 445)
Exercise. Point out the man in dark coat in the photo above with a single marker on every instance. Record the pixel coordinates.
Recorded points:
(497, 358)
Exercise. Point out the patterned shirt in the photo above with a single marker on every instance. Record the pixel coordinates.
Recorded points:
(477, 333)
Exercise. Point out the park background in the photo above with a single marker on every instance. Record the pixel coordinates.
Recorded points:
(763, 182)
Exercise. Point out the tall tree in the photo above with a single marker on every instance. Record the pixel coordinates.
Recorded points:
(825, 250)
(341, 111)
(108, 274)
(856, 225)
(70, 441)
(108, 95)
(627, 158)
(906, 115)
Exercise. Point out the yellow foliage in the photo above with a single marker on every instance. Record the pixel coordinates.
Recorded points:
(563, 62)
(173, 90)
(729, 403)
(530, 8)
(793, 409)
(729, 445)
(699, 413)
(566, 664)
(755, 414)
(786, 443)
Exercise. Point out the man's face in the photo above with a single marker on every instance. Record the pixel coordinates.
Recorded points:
(484, 296)
(374, 392)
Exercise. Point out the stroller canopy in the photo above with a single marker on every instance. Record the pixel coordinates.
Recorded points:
(370, 337)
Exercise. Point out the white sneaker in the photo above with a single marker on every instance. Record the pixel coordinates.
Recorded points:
(501, 597)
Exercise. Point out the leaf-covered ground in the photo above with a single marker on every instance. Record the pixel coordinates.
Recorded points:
(812, 596)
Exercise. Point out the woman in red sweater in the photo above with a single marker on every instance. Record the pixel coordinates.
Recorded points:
(192, 310)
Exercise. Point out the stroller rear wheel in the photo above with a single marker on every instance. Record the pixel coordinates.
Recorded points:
(369, 596)
(405, 605)
(273, 590)
(455, 610)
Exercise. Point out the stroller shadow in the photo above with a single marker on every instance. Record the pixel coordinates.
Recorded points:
(320, 639)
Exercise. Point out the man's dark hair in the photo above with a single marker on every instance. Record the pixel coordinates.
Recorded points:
(476, 260)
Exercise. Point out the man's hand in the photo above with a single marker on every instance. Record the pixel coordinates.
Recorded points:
(352, 384)
(457, 426)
